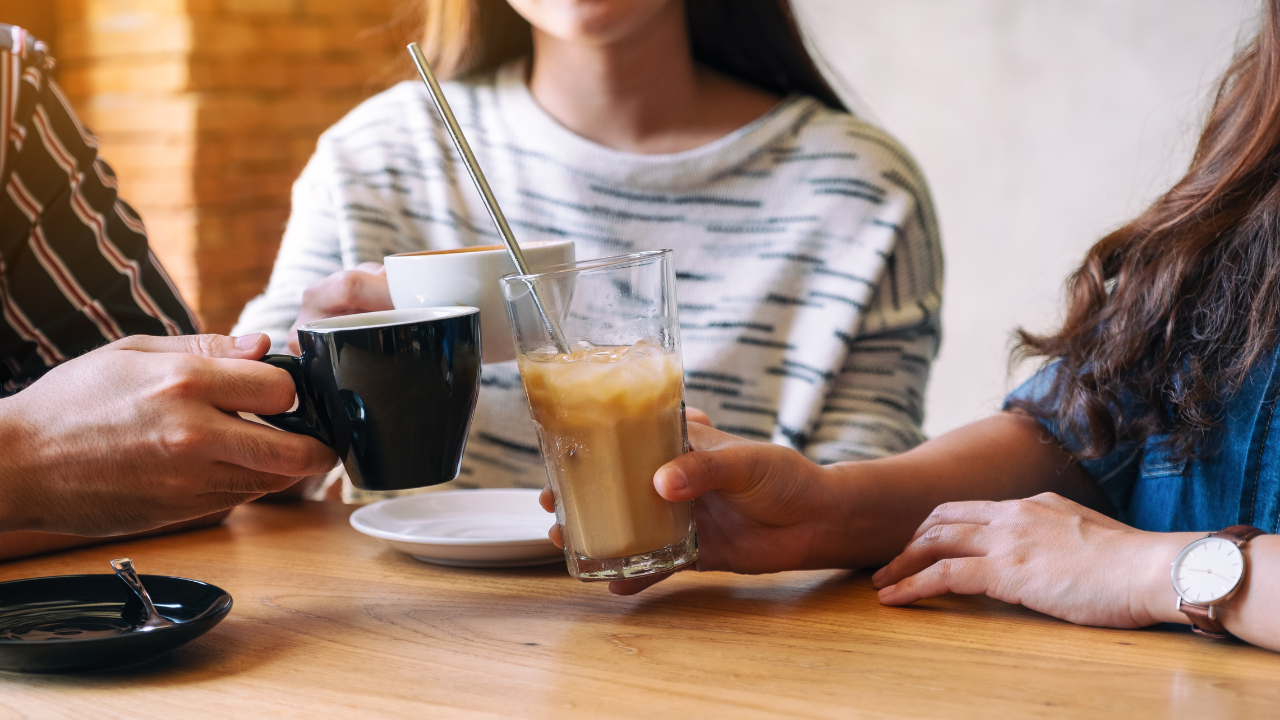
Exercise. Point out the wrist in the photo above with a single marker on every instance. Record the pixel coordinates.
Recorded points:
(829, 535)
(1157, 598)
(854, 524)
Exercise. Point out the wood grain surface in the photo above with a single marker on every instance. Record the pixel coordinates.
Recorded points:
(328, 623)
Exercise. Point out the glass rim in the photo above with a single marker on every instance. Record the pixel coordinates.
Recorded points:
(578, 266)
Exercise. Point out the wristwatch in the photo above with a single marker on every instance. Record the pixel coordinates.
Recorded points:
(1208, 572)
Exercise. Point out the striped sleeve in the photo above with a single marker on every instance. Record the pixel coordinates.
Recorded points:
(76, 270)
(875, 405)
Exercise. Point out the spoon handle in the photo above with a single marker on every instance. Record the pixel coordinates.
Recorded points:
(124, 569)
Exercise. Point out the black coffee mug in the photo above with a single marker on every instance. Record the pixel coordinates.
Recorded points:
(393, 393)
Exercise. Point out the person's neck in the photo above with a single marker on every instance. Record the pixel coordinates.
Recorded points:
(643, 93)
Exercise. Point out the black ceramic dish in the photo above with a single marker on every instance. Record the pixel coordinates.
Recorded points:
(75, 623)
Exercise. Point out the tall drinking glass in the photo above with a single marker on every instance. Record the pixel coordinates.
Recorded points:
(609, 412)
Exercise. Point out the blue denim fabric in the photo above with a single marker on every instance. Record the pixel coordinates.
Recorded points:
(1240, 483)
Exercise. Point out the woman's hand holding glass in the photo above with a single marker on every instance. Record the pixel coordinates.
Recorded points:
(761, 508)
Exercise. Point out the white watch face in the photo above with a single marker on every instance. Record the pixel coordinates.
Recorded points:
(1207, 570)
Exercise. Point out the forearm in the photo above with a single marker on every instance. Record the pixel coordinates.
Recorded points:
(1251, 615)
(877, 505)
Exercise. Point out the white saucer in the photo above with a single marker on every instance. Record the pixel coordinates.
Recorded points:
(464, 528)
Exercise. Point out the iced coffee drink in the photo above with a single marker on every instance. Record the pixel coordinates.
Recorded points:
(607, 397)
(607, 419)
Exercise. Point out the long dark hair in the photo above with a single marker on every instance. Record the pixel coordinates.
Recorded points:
(755, 41)
(1168, 314)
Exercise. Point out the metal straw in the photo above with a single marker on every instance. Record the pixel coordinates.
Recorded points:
(490, 202)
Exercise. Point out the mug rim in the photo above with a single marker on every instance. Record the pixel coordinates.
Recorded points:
(578, 266)
(407, 316)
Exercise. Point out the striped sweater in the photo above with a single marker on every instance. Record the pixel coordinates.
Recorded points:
(808, 262)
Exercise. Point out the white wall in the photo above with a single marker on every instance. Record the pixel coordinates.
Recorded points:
(1041, 125)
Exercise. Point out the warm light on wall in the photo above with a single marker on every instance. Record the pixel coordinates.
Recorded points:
(208, 111)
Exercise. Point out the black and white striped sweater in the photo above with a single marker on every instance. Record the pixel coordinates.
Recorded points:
(807, 253)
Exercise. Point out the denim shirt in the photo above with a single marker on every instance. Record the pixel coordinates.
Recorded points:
(1238, 484)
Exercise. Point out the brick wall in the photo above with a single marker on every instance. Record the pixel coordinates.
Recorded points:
(208, 109)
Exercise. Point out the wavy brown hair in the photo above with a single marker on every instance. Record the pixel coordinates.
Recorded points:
(1168, 314)
(755, 41)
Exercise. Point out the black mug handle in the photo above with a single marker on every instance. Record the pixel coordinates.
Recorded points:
(305, 419)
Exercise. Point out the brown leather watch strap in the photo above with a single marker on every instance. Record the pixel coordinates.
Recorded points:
(1204, 620)
(1239, 533)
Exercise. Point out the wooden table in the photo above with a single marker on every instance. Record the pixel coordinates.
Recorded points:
(328, 623)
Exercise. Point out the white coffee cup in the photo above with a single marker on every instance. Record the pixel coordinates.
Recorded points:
(469, 277)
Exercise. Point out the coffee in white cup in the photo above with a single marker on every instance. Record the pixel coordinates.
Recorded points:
(469, 277)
